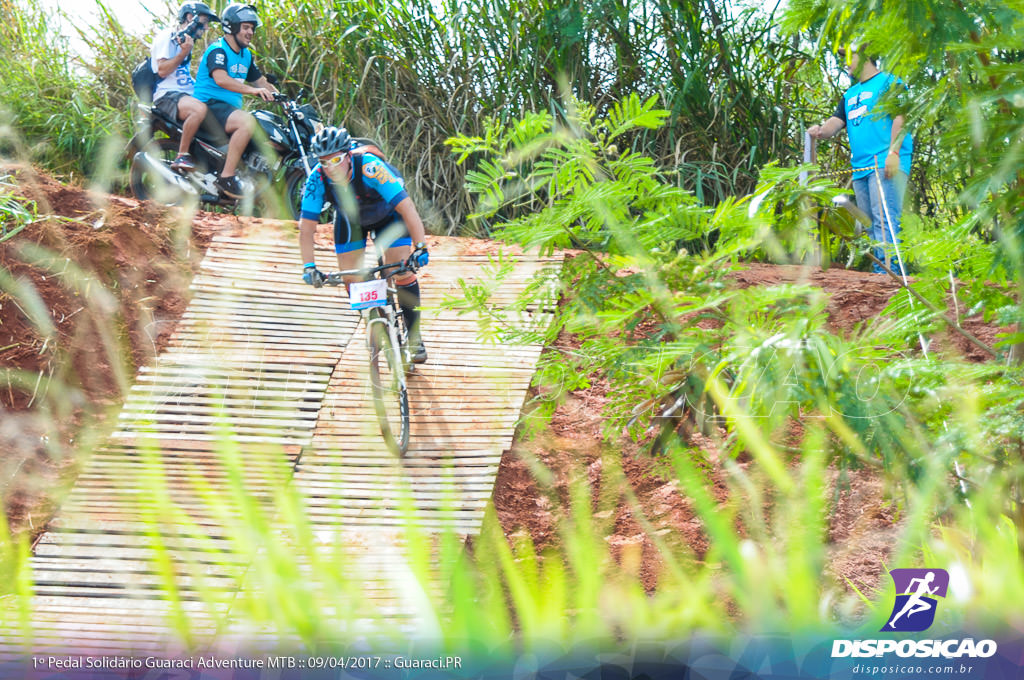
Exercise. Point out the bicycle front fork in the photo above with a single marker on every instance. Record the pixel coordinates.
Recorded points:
(394, 326)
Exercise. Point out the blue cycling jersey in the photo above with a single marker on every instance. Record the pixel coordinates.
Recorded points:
(378, 191)
(382, 185)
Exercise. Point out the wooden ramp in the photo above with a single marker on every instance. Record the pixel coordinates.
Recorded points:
(263, 388)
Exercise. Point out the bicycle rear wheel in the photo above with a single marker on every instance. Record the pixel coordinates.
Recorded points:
(387, 380)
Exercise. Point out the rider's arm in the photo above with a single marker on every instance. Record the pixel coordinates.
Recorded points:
(166, 63)
(265, 84)
(165, 67)
(221, 77)
(407, 209)
(257, 79)
(307, 228)
(313, 193)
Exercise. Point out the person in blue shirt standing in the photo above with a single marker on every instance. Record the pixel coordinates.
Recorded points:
(382, 208)
(226, 72)
(880, 150)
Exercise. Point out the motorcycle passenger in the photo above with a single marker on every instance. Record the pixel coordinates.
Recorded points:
(224, 75)
(171, 56)
(385, 210)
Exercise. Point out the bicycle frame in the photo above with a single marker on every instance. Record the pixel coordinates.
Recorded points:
(385, 321)
(391, 312)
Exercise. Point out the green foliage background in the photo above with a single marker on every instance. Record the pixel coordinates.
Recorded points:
(413, 74)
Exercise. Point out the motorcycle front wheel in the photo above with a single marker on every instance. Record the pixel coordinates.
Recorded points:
(295, 186)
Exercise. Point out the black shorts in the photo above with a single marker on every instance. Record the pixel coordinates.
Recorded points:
(168, 104)
(220, 110)
(390, 232)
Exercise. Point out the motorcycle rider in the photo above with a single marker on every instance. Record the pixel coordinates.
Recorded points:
(384, 209)
(226, 72)
(171, 56)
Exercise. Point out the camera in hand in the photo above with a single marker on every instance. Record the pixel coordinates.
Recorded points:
(194, 28)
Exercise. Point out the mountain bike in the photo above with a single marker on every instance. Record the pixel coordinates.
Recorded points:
(376, 298)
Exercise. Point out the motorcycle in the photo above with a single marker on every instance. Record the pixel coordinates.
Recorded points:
(279, 158)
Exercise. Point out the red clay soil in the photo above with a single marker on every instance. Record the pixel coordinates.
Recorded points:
(855, 297)
(132, 249)
(862, 526)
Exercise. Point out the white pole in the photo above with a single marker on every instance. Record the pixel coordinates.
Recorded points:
(899, 257)
(809, 155)
(888, 224)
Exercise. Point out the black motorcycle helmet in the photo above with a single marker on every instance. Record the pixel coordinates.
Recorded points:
(237, 14)
(330, 141)
(199, 9)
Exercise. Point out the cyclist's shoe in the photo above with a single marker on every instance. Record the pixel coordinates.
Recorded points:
(229, 186)
(418, 350)
(183, 163)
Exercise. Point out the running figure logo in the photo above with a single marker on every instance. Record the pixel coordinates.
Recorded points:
(914, 609)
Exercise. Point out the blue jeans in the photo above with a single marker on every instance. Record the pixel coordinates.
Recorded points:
(869, 200)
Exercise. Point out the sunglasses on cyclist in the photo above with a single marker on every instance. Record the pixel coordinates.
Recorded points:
(333, 162)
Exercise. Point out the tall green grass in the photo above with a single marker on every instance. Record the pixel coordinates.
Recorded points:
(765, 379)
(16, 212)
(280, 579)
(411, 76)
(63, 117)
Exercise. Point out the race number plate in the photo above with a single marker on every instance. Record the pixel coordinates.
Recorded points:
(368, 294)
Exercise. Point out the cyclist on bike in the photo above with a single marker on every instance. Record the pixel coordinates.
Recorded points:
(369, 198)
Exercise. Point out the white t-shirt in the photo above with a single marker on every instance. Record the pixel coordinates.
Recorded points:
(179, 80)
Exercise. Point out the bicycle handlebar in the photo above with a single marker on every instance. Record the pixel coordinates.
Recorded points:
(337, 278)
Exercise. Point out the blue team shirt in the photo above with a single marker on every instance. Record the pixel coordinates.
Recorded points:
(384, 189)
(870, 134)
(239, 66)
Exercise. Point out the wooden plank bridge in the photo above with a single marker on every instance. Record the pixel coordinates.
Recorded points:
(263, 388)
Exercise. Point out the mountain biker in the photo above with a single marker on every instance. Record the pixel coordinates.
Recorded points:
(224, 73)
(385, 210)
(171, 56)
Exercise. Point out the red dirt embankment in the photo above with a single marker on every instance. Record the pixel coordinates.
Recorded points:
(862, 525)
(112, 277)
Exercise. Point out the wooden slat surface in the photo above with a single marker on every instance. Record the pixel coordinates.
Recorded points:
(284, 366)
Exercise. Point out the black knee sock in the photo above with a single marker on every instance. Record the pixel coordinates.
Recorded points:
(409, 301)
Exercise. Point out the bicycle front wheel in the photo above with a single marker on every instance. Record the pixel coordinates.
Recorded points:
(387, 380)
